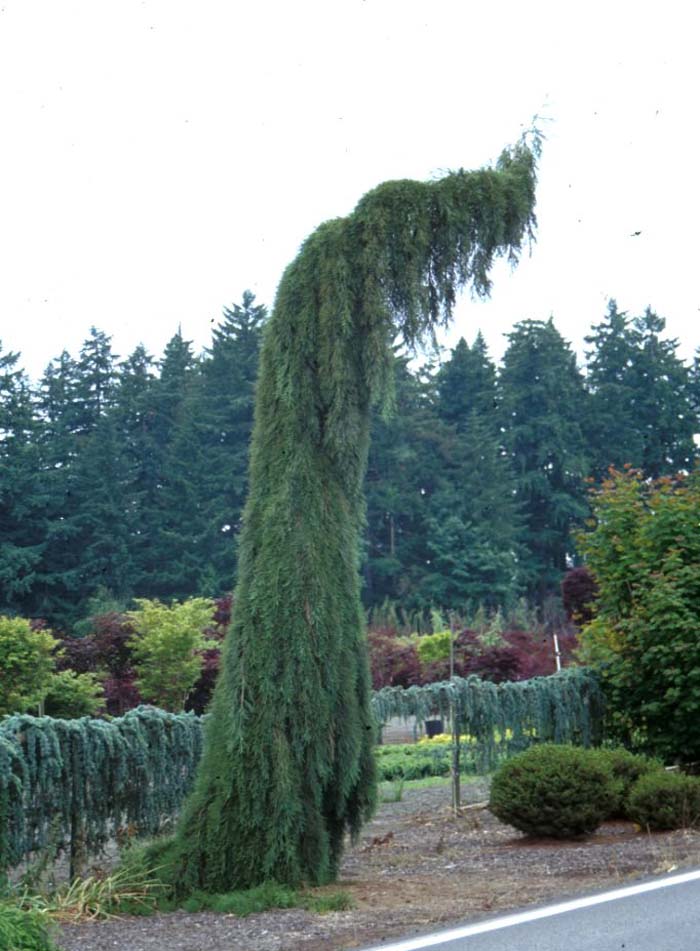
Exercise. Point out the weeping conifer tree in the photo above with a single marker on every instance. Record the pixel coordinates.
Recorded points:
(288, 766)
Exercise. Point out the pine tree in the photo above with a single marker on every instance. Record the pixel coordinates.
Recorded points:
(641, 409)
(58, 450)
(474, 526)
(132, 418)
(22, 491)
(543, 404)
(662, 400)
(611, 427)
(466, 384)
(86, 513)
(225, 418)
(401, 474)
(170, 558)
(288, 765)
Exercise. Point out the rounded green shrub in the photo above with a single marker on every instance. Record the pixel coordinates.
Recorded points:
(663, 800)
(554, 790)
(628, 768)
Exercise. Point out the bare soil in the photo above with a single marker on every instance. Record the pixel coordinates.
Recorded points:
(416, 868)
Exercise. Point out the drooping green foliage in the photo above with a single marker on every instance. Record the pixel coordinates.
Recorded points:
(288, 766)
(566, 707)
(81, 780)
(644, 553)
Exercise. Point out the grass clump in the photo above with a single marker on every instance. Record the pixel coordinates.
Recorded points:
(139, 859)
(392, 792)
(663, 800)
(554, 790)
(244, 902)
(269, 895)
(22, 930)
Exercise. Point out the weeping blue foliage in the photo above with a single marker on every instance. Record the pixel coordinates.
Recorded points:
(566, 707)
(78, 781)
(84, 779)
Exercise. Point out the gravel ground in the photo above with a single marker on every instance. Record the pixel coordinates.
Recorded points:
(416, 867)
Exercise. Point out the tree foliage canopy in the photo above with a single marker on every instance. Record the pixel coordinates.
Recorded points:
(644, 553)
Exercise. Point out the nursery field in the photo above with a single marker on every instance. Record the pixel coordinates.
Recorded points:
(415, 868)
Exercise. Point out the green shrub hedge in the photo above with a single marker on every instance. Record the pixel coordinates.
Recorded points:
(417, 760)
(555, 790)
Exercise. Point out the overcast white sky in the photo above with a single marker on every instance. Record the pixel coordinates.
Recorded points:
(160, 156)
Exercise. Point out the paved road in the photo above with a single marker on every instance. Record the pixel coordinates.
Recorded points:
(658, 915)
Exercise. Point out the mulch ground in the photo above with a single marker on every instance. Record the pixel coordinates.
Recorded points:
(416, 868)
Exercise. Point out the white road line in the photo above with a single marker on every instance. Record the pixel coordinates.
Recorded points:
(507, 921)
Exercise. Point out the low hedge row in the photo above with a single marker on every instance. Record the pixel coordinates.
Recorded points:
(566, 791)
(417, 760)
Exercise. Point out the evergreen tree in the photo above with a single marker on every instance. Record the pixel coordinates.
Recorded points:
(543, 402)
(58, 449)
(287, 767)
(22, 490)
(101, 519)
(225, 422)
(663, 408)
(474, 526)
(611, 428)
(86, 515)
(466, 384)
(96, 378)
(401, 474)
(132, 417)
(695, 390)
(641, 409)
(171, 561)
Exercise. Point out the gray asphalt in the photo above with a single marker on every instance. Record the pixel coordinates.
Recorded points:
(667, 919)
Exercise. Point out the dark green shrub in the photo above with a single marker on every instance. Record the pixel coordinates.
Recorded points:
(664, 800)
(627, 767)
(550, 790)
(23, 930)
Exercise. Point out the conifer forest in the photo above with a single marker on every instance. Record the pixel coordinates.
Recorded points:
(125, 476)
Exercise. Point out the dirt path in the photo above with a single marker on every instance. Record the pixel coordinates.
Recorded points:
(416, 867)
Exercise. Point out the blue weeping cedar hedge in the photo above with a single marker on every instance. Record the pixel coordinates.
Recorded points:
(505, 718)
(74, 783)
